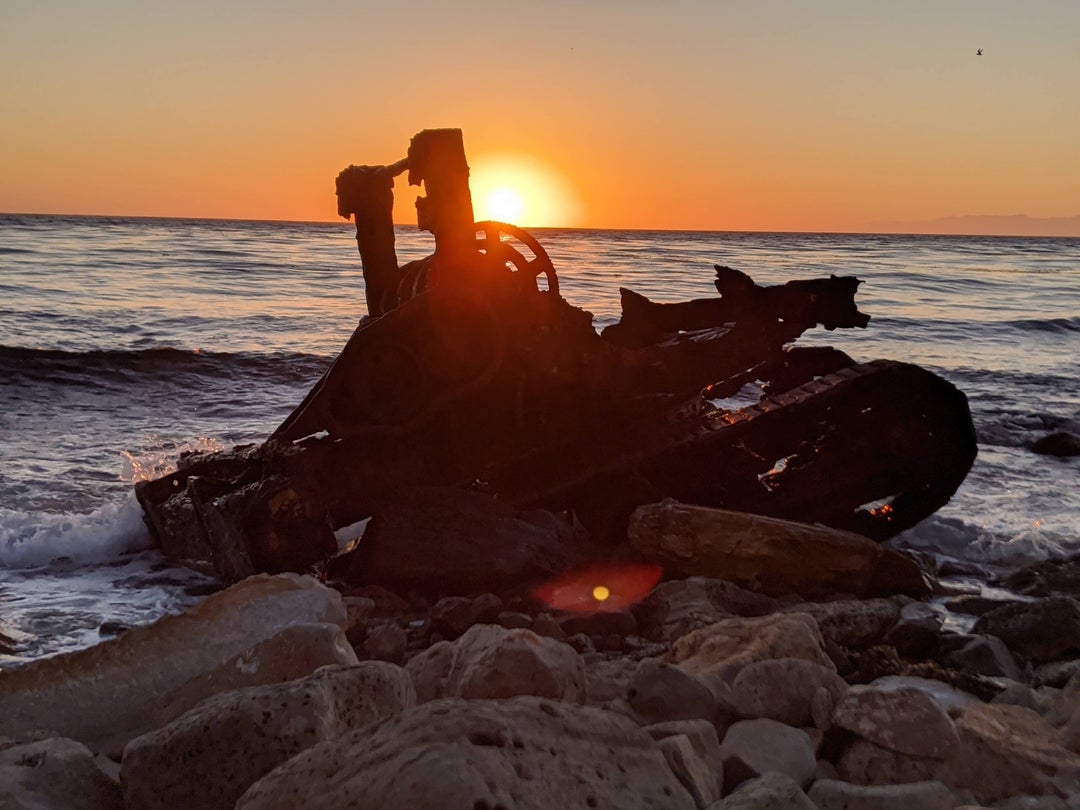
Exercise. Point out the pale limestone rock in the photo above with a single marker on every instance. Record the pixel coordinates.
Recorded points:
(110, 693)
(752, 748)
(1009, 750)
(771, 791)
(830, 795)
(907, 721)
(773, 556)
(490, 661)
(697, 775)
(208, 757)
(675, 607)
(429, 670)
(55, 774)
(525, 753)
(659, 692)
(725, 647)
(783, 689)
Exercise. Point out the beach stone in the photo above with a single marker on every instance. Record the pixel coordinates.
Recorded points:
(974, 604)
(429, 670)
(108, 694)
(1060, 443)
(607, 679)
(950, 699)
(659, 692)
(702, 736)
(915, 634)
(453, 541)
(525, 753)
(490, 661)
(828, 794)
(1043, 630)
(770, 791)
(386, 642)
(358, 609)
(773, 556)
(55, 774)
(751, 748)
(864, 763)
(1007, 751)
(453, 615)
(783, 689)
(513, 619)
(985, 655)
(907, 721)
(695, 773)
(725, 647)
(1045, 577)
(208, 757)
(853, 623)
(601, 623)
(675, 607)
(1057, 673)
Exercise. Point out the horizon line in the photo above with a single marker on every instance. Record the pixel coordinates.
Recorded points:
(870, 230)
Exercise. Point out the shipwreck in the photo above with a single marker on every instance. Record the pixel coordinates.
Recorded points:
(471, 371)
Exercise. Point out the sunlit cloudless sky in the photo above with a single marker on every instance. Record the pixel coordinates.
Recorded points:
(719, 114)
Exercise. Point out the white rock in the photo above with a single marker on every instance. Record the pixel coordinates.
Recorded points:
(752, 748)
(208, 757)
(108, 694)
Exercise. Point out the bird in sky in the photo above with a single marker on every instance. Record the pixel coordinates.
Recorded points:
(978, 52)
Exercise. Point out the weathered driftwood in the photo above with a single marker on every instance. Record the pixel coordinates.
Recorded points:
(471, 370)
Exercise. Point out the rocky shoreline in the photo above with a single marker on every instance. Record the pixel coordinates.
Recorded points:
(770, 687)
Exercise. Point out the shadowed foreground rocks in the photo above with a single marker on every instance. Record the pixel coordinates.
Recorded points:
(281, 692)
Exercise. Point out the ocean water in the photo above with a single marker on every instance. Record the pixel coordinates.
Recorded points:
(126, 341)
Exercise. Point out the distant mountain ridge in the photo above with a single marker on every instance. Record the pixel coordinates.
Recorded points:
(986, 225)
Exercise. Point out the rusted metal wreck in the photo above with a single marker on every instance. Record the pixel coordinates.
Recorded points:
(471, 370)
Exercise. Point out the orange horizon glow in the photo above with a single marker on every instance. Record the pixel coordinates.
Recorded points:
(771, 116)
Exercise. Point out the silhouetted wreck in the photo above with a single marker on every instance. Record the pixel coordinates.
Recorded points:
(471, 371)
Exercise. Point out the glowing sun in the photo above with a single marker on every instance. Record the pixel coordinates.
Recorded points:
(522, 191)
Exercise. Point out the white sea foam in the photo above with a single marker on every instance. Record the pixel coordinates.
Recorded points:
(32, 539)
(952, 537)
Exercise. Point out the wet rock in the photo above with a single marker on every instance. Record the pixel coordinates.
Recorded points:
(55, 774)
(974, 604)
(208, 757)
(453, 541)
(1046, 577)
(985, 655)
(904, 720)
(832, 795)
(853, 623)
(526, 753)
(915, 634)
(752, 748)
(117, 690)
(1059, 443)
(1057, 673)
(948, 698)
(782, 689)
(1006, 751)
(453, 615)
(725, 647)
(771, 791)
(492, 662)
(773, 556)
(1042, 630)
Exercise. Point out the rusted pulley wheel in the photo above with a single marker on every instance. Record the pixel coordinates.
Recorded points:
(489, 241)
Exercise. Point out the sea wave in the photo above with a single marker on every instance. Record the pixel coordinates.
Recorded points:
(17, 363)
(34, 539)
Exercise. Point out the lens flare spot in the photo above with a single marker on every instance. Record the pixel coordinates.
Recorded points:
(577, 591)
(600, 593)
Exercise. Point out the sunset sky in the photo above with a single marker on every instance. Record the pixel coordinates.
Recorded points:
(830, 115)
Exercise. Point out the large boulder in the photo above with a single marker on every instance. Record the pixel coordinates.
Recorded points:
(752, 748)
(55, 774)
(773, 556)
(674, 608)
(1042, 630)
(490, 661)
(525, 753)
(1008, 750)
(783, 689)
(108, 694)
(904, 720)
(453, 541)
(725, 647)
(208, 757)
(854, 623)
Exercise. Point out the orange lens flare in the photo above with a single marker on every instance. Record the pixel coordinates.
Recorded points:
(599, 588)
